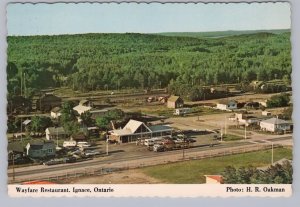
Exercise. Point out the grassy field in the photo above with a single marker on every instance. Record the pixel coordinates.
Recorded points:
(193, 171)
(231, 137)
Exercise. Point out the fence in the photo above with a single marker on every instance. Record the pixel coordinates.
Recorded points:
(134, 164)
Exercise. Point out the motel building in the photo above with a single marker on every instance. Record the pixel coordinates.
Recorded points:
(134, 130)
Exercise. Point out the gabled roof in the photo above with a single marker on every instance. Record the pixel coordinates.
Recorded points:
(15, 147)
(218, 178)
(275, 121)
(82, 108)
(173, 98)
(133, 125)
(83, 102)
(56, 109)
(36, 145)
(56, 130)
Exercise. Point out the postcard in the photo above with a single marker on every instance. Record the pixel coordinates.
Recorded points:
(136, 99)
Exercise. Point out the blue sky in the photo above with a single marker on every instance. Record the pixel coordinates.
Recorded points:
(62, 18)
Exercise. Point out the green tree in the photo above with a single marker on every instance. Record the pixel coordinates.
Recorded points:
(102, 123)
(86, 119)
(39, 124)
(280, 100)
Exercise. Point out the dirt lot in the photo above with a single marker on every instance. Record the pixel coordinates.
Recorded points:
(123, 177)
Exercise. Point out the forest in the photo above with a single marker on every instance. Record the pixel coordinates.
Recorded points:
(88, 62)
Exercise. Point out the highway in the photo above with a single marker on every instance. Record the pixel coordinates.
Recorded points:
(119, 158)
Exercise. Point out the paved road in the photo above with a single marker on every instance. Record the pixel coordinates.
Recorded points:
(34, 172)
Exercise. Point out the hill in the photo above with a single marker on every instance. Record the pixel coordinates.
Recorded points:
(108, 61)
(218, 34)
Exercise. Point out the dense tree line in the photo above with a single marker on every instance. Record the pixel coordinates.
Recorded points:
(275, 174)
(115, 61)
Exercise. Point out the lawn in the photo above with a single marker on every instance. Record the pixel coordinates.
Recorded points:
(193, 171)
(231, 137)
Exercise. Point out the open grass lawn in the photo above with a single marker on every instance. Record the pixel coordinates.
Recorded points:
(231, 137)
(194, 171)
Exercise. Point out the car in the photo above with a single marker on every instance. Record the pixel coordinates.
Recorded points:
(91, 152)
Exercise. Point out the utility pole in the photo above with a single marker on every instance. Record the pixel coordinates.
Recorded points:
(245, 132)
(56, 137)
(225, 130)
(13, 165)
(221, 134)
(21, 129)
(272, 151)
(106, 145)
(272, 160)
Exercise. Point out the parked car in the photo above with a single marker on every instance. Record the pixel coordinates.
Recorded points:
(91, 152)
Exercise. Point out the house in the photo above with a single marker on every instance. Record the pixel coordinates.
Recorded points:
(47, 102)
(275, 125)
(136, 129)
(175, 102)
(81, 109)
(214, 179)
(55, 112)
(55, 133)
(40, 149)
(227, 105)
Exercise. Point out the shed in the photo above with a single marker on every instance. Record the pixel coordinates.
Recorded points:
(175, 102)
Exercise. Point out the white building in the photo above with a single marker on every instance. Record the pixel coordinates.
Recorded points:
(81, 109)
(55, 133)
(136, 129)
(227, 105)
(274, 125)
(55, 112)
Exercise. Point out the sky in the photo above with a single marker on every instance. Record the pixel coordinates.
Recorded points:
(63, 18)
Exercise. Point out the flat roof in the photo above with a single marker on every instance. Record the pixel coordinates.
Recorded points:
(160, 128)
